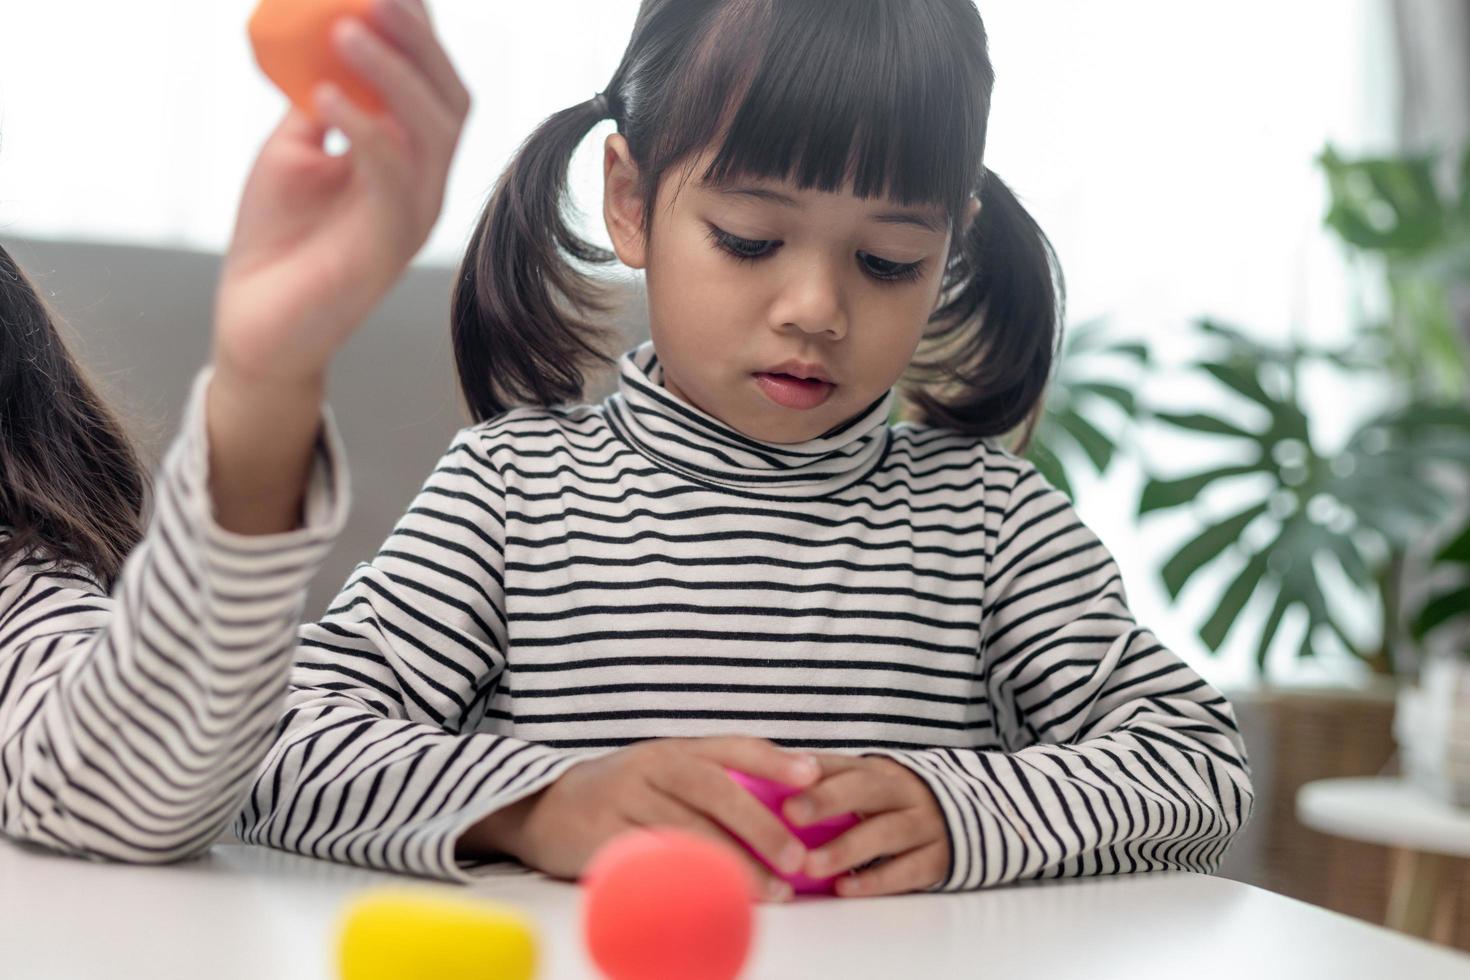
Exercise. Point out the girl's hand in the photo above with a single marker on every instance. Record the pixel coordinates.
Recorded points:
(318, 242)
(320, 239)
(901, 822)
(662, 783)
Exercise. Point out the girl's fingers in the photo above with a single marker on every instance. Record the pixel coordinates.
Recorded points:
(851, 791)
(300, 127)
(406, 24)
(404, 89)
(757, 757)
(371, 143)
(422, 9)
(711, 791)
(875, 837)
(658, 809)
(915, 871)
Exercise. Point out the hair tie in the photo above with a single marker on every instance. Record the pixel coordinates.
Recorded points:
(600, 103)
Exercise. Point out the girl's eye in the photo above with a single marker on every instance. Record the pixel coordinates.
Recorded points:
(745, 249)
(887, 271)
(749, 250)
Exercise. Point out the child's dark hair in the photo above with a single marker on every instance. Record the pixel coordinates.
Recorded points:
(71, 488)
(894, 96)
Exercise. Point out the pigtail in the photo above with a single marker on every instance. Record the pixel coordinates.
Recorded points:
(985, 369)
(71, 486)
(520, 311)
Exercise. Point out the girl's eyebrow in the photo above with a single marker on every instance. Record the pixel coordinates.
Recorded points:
(928, 220)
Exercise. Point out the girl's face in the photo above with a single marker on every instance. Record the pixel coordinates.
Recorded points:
(746, 277)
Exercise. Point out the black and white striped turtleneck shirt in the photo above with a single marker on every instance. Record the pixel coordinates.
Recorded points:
(571, 580)
(131, 724)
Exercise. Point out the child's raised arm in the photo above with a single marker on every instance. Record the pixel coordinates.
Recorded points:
(319, 240)
(131, 722)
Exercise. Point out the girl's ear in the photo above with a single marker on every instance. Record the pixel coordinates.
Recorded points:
(622, 203)
(972, 211)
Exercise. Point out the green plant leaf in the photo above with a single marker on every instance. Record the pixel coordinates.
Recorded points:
(1232, 601)
(1161, 494)
(1457, 551)
(1271, 627)
(1199, 422)
(1131, 349)
(1206, 547)
(1441, 609)
(1400, 506)
(1117, 394)
(1243, 381)
(1349, 557)
(1098, 447)
(1388, 205)
(1046, 462)
(1306, 648)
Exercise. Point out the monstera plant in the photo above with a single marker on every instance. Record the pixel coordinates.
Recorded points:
(1355, 507)
(1306, 510)
(1399, 213)
(1393, 212)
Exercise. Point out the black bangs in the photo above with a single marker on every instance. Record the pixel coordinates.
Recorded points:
(892, 95)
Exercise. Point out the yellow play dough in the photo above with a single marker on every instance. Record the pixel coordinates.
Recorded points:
(406, 935)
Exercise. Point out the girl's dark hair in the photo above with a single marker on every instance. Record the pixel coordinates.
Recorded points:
(71, 488)
(894, 96)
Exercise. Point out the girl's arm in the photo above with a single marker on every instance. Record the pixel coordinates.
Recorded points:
(1119, 756)
(130, 724)
(319, 240)
(128, 728)
(383, 758)
(373, 764)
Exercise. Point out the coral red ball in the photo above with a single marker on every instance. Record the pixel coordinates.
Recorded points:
(666, 905)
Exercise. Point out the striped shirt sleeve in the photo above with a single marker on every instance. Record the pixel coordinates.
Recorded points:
(130, 724)
(379, 761)
(1118, 757)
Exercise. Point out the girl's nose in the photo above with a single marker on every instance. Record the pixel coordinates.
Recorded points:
(812, 302)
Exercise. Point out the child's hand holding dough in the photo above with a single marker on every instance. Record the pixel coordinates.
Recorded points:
(318, 242)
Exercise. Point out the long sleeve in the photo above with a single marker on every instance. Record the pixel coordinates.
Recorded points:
(1118, 757)
(130, 724)
(379, 761)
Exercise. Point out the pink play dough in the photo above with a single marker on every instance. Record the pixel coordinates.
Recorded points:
(773, 795)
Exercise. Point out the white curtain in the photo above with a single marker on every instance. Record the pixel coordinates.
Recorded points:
(137, 120)
(1167, 148)
(1434, 55)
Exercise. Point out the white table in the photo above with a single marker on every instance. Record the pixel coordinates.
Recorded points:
(253, 913)
(1423, 831)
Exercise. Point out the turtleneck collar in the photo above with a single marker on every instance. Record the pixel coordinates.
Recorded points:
(685, 439)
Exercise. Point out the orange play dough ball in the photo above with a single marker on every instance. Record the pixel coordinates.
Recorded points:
(293, 45)
(666, 905)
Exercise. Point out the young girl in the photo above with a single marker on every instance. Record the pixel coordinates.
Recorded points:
(141, 675)
(735, 561)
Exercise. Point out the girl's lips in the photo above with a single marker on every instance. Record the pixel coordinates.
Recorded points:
(789, 392)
